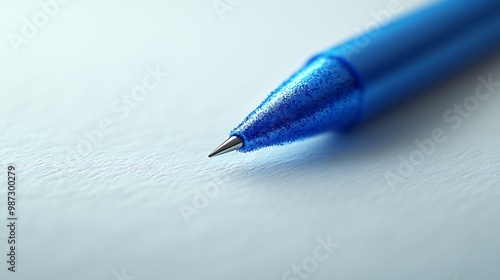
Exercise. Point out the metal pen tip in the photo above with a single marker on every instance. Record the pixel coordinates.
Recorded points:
(232, 144)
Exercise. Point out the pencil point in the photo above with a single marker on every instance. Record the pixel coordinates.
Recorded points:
(232, 144)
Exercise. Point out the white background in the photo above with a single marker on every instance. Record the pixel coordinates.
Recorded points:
(114, 213)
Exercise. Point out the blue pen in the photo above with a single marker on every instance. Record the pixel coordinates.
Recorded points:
(354, 81)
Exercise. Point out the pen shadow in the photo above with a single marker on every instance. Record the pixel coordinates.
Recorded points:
(414, 119)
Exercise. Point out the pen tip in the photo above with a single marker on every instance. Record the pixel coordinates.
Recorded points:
(232, 144)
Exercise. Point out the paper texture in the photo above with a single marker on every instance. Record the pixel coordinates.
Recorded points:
(110, 109)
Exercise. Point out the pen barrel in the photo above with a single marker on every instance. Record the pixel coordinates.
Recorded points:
(418, 50)
(345, 85)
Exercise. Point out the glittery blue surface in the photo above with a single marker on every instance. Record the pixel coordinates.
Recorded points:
(364, 76)
(324, 95)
